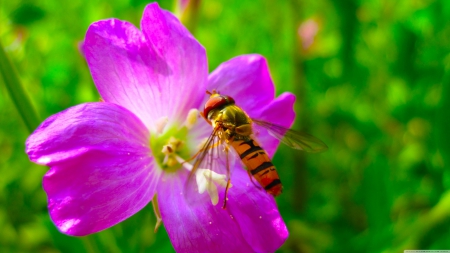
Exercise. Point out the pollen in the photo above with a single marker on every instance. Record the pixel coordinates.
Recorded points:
(175, 143)
(167, 150)
(170, 150)
(191, 119)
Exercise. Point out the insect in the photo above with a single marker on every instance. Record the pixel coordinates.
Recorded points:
(234, 129)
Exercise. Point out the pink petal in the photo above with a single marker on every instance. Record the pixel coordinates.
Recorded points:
(101, 169)
(155, 73)
(256, 213)
(250, 223)
(200, 228)
(245, 78)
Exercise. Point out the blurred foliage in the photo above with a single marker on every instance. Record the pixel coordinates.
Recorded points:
(370, 79)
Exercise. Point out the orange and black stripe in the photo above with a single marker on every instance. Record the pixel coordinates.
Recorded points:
(259, 165)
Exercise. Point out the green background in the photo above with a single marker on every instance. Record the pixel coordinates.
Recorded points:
(373, 83)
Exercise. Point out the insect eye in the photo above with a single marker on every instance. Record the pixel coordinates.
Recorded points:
(229, 99)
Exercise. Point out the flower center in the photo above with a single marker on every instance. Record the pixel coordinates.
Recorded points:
(168, 145)
(173, 151)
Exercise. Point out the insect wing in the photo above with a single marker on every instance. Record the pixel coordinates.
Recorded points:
(212, 165)
(294, 139)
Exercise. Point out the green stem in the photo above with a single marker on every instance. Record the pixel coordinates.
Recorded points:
(17, 92)
(89, 244)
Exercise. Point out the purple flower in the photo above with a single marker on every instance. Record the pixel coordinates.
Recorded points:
(107, 159)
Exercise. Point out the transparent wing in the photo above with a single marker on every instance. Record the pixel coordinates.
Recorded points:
(294, 139)
(210, 172)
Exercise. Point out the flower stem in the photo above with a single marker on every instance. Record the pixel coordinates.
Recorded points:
(157, 213)
(17, 93)
(89, 245)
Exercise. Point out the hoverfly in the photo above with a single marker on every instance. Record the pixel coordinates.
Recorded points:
(232, 127)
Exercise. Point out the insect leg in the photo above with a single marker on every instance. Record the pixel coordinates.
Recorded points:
(229, 179)
(226, 194)
(206, 147)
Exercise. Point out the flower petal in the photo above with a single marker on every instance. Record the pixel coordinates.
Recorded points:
(155, 73)
(245, 78)
(256, 213)
(250, 223)
(101, 169)
(281, 112)
(185, 86)
(199, 228)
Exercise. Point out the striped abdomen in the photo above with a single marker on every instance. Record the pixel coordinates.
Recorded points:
(259, 165)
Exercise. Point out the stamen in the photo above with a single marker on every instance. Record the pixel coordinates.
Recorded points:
(185, 164)
(171, 161)
(175, 143)
(161, 124)
(191, 119)
(167, 149)
(166, 158)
